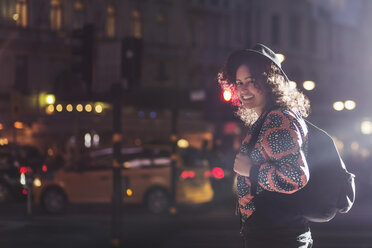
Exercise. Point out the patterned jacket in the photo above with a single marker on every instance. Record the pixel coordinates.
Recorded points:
(279, 155)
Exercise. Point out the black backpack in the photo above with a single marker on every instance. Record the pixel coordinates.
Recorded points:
(330, 189)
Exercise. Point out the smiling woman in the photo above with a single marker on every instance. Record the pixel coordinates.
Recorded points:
(272, 157)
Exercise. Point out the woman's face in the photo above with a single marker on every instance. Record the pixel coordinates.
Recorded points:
(250, 96)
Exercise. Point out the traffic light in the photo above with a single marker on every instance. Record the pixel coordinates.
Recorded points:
(131, 61)
(82, 55)
(227, 95)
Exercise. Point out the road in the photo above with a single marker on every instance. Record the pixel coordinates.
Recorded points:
(212, 225)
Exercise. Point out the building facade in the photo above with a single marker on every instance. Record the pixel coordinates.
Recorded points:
(180, 45)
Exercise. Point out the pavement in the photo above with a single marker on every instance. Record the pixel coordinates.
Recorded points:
(210, 225)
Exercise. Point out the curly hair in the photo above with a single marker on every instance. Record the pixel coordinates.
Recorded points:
(268, 78)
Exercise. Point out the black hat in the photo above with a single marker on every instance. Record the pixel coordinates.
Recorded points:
(262, 50)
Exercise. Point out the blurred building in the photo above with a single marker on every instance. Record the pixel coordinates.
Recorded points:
(159, 46)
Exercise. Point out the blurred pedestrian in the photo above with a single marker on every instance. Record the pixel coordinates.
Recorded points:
(273, 154)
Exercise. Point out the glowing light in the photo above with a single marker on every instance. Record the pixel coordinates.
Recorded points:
(50, 152)
(354, 146)
(3, 141)
(153, 115)
(15, 16)
(59, 108)
(22, 179)
(339, 144)
(18, 125)
(24, 169)
(126, 164)
(366, 127)
(95, 140)
(1, 126)
(281, 57)
(350, 104)
(309, 85)
(24, 191)
(98, 108)
(137, 142)
(50, 109)
(69, 108)
(37, 182)
(365, 153)
(227, 95)
(87, 140)
(79, 108)
(129, 192)
(44, 168)
(217, 172)
(338, 106)
(207, 174)
(182, 143)
(50, 99)
(187, 174)
(88, 108)
(292, 84)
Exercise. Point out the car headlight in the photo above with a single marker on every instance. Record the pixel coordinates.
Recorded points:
(37, 182)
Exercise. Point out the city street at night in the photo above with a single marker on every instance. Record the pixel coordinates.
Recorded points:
(168, 123)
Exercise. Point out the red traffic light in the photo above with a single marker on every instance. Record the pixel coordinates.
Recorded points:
(227, 95)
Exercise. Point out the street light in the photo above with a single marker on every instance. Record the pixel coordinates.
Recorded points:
(309, 85)
(350, 104)
(88, 108)
(79, 108)
(292, 84)
(50, 109)
(366, 127)
(227, 95)
(338, 106)
(182, 143)
(98, 108)
(59, 107)
(69, 108)
(281, 57)
(50, 99)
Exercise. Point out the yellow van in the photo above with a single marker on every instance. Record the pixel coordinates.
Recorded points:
(146, 179)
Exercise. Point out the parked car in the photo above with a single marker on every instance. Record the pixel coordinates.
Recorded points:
(146, 179)
(16, 165)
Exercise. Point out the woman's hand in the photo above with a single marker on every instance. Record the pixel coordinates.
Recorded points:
(242, 165)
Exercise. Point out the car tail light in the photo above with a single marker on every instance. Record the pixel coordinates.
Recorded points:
(208, 174)
(25, 169)
(187, 174)
(216, 172)
(44, 168)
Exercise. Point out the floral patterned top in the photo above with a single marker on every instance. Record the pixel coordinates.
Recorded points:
(279, 155)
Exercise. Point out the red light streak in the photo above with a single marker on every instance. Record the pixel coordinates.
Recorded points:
(187, 174)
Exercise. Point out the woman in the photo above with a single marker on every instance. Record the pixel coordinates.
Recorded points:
(272, 159)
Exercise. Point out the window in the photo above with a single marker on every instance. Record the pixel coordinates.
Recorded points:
(294, 31)
(136, 24)
(110, 21)
(78, 18)
(162, 30)
(21, 73)
(275, 29)
(21, 13)
(55, 15)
